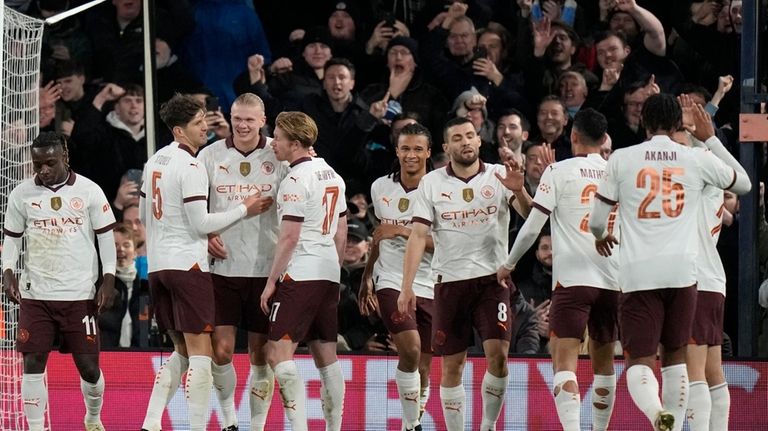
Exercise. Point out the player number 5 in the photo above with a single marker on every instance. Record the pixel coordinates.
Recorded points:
(157, 198)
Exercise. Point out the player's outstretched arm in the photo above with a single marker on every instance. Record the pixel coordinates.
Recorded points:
(10, 257)
(525, 239)
(286, 243)
(414, 251)
(205, 223)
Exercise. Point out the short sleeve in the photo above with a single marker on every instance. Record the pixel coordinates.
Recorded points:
(608, 190)
(545, 199)
(102, 218)
(293, 199)
(15, 216)
(423, 209)
(341, 205)
(715, 171)
(375, 199)
(194, 182)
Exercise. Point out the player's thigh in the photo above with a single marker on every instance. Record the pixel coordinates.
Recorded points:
(425, 309)
(640, 321)
(37, 328)
(78, 325)
(325, 326)
(707, 328)
(493, 317)
(680, 309)
(569, 311)
(192, 300)
(162, 303)
(294, 308)
(393, 319)
(227, 297)
(254, 320)
(603, 323)
(452, 319)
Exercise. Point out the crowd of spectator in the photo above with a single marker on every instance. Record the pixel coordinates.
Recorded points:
(519, 70)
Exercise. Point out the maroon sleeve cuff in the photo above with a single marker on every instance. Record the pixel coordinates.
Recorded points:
(733, 181)
(421, 220)
(12, 234)
(195, 198)
(293, 218)
(541, 208)
(605, 199)
(105, 229)
(343, 213)
(142, 194)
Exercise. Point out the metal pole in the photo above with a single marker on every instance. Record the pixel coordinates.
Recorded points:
(149, 72)
(749, 156)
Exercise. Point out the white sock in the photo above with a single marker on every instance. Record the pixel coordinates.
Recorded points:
(93, 397)
(699, 406)
(224, 380)
(197, 388)
(423, 398)
(35, 395)
(568, 404)
(260, 395)
(644, 390)
(409, 388)
(453, 400)
(292, 393)
(167, 381)
(332, 394)
(603, 398)
(721, 404)
(674, 392)
(493, 389)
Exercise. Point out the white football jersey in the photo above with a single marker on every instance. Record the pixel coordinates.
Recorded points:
(173, 176)
(313, 194)
(565, 192)
(658, 186)
(469, 220)
(711, 276)
(234, 176)
(60, 223)
(393, 204)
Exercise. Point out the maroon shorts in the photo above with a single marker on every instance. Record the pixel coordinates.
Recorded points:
(238, 302)
(396, 322)
(479, 303)
(40, 321)
(650, 317)
(183, 300)
(577, 307)
(708, 324)
(304, 311)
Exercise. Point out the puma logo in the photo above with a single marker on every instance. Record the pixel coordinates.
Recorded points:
(415, 398)
(291, 406)
(259, 394)
(224, 168)
(37, 204)
(502, 326)
(294, 179)
(193, 164)
(446, 195)
(386, 200)
(456, 409)
(492, 393)
(32, 402)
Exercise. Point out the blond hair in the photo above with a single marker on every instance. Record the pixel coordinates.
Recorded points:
(249, 99)
(297, 126)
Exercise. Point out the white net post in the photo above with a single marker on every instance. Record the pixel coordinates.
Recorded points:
(19, 94)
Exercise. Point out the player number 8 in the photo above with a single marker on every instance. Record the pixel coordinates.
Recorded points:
(502, 315)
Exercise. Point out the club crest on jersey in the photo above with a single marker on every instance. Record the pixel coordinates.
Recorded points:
(245, 168)
(468, 194)
(487, 191)
(56, 203)
(76, 204)
(267, 168)
(403, 204)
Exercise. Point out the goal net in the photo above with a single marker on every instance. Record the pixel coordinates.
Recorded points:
(19, 107)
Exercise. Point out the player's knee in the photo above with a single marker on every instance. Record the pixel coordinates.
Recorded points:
(222, 353)
(409, 357)
(34, 363)
(89, 372)
(497, 364)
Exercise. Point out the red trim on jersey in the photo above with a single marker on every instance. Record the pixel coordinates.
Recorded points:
(12, 234)
(449, 170)
(541, 208)
(293, 218)
(186, 148)
(421, 220)
(732, 182)
(105, 229)
(230, 143)
(300, 160)
(605, 199)
(194, 198)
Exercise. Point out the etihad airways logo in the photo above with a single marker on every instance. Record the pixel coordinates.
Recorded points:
(226, 189)
(469, 213)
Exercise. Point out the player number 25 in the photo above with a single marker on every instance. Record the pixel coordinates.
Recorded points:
(650, 178)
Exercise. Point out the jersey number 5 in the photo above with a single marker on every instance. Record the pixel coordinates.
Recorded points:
(649, 177)
(330, 197)
(157, 198)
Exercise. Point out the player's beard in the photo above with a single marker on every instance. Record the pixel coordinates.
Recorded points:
(466, 161)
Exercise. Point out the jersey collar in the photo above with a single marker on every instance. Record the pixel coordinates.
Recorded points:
(70, 181)
(230, 143)
(449, 171)
(187, 148)
(300, 160)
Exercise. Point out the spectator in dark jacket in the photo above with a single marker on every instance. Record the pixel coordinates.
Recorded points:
(526, 335)
(538, 287)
